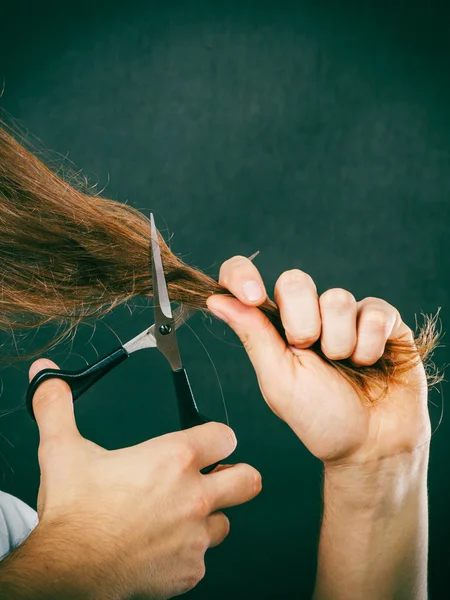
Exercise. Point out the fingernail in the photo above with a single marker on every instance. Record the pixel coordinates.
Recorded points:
(253, 255)
(252, 291)
(218, 314)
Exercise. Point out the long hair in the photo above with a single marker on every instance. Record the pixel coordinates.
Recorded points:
(67, 256)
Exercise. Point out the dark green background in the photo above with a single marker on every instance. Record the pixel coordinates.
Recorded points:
(316, 133)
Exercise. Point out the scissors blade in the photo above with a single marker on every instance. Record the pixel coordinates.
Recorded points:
(146, 339)
(160, 292)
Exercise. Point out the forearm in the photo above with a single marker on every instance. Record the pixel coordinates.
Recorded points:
(374, 536)
(50, 565)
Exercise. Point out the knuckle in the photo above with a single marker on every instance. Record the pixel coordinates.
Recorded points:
(195, 576)
(230, 266)
(296, 276)
(405, 332)
(199, 505)
(184, 454)
(204, 539)
(373, 300)
(191, 577)
(199, 542)
(337, 298)
(377, 319)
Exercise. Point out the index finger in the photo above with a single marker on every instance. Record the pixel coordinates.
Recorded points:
(241, 277)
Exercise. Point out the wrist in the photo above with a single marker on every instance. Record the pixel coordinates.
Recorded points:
(382, 486)
(374, 535)
(53, 563)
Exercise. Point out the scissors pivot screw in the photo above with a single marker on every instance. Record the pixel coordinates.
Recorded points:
(165, 329)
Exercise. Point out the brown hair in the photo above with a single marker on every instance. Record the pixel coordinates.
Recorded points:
(67, 256)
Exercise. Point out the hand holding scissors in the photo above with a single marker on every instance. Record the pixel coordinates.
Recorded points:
(161, 335)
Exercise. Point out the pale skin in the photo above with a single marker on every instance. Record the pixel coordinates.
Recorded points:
(373, 541)
(134, 522)
(374, 536)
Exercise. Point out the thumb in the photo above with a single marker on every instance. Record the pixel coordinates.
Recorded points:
(53, 404)
(264, 345)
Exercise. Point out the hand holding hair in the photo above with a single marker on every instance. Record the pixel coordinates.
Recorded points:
(316, 399)
(115, 524)
(374, 536)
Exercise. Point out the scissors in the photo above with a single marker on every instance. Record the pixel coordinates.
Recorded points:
(160, 335)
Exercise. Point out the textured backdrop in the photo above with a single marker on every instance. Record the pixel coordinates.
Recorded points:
(318, 135)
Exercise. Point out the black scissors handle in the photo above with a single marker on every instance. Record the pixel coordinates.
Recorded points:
(187, 407)
(79, 381)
